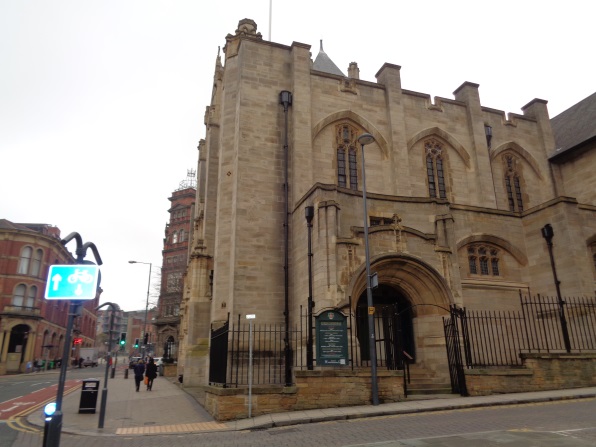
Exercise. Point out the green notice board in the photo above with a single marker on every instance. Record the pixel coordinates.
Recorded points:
(332, 339)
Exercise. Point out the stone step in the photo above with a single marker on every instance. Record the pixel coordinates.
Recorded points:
(429, 392)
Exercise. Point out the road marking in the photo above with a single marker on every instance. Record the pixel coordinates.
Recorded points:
(19, 422)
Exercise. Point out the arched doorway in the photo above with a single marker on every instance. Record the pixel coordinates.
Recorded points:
(394, 331)
(409, 304)
(17, 346)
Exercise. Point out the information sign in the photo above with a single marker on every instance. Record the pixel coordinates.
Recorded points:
(332, 339)
(72, 282)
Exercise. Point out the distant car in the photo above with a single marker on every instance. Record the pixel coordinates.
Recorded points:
(133, 362)
(158, 360)
(89, 362)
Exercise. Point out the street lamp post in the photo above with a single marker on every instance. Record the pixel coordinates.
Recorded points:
(146, 304)
(104, 392)
(548, 234)
(309, 214)
(365, 139)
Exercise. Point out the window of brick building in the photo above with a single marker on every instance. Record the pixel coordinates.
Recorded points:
(25, 260)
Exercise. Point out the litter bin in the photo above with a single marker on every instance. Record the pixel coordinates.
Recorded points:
(89, 392)
(160, 370)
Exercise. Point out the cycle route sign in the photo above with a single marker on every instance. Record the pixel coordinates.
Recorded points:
(72, 282)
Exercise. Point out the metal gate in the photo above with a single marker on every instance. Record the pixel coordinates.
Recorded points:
(453, 344)
(218, 354)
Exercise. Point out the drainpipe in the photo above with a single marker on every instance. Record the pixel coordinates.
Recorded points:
(285, 99)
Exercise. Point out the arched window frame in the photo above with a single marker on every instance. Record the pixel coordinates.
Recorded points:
(36, 264)
(25, 260)
(18, 297)
(483, 260)
(513, 182)
(435, 169)
(347, 156)
(31, 296)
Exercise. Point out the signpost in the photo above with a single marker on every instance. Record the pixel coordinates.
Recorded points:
(76, 283)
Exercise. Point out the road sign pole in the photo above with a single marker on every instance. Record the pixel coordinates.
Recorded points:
(55, 429)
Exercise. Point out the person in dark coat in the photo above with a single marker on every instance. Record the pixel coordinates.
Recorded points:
(139, 370)
(151, 373)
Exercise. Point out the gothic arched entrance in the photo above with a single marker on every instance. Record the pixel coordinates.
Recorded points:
(394, 332)
(410, 301)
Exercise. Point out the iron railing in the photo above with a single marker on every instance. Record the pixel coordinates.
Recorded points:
(481, 338)
(497, 338)
(229, 349)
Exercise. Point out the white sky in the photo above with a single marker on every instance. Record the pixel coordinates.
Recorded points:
(102, 102)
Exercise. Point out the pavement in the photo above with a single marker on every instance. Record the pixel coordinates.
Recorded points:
(168, 409)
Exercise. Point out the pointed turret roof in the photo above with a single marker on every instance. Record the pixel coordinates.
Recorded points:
(325, 64)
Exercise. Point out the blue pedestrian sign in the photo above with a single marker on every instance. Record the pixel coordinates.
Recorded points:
(72, 282)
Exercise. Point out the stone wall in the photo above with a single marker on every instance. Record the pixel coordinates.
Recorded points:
(314, 389)
(540, 372)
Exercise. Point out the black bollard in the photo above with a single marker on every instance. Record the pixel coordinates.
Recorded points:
(126, 373)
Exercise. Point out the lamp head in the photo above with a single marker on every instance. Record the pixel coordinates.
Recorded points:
(547, 232)
(365, 139)
(309, 213)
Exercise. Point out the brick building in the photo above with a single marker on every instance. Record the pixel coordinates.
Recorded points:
(32, 328)
(175, 253)
(458, 194)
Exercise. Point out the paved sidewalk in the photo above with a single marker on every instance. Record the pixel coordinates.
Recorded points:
(169, 409)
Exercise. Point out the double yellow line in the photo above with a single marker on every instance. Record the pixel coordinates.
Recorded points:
(19, 421)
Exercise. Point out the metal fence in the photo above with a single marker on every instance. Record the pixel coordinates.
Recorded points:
(544, 324)
(229, 348)
(487, 338)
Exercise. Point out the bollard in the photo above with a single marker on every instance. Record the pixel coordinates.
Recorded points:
(113, 372)
(126, 373)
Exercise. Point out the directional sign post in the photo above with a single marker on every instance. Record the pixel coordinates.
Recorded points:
(72, 282)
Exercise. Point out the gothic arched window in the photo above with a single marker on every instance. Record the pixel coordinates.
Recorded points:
(347, 160)
(513, 183)
(434, 169)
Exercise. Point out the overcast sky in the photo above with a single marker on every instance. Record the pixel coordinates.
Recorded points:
(102, 102)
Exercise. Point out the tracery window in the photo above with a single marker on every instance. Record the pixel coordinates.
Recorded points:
(347, 157)
(483, 260)
(513, 183)
(434, 169)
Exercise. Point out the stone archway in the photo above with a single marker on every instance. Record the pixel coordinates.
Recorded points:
(416, 297)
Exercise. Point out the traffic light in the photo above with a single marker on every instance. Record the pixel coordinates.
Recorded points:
(122, 338)
(77, 341)
(136, 342)
(146, 338)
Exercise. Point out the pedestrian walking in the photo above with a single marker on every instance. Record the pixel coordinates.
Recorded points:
(150, 373)
(139, 370)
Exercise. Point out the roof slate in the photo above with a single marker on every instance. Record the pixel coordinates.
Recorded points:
(575, 125)
(324, 63)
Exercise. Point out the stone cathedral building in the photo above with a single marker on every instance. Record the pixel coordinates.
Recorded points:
(457, 192)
